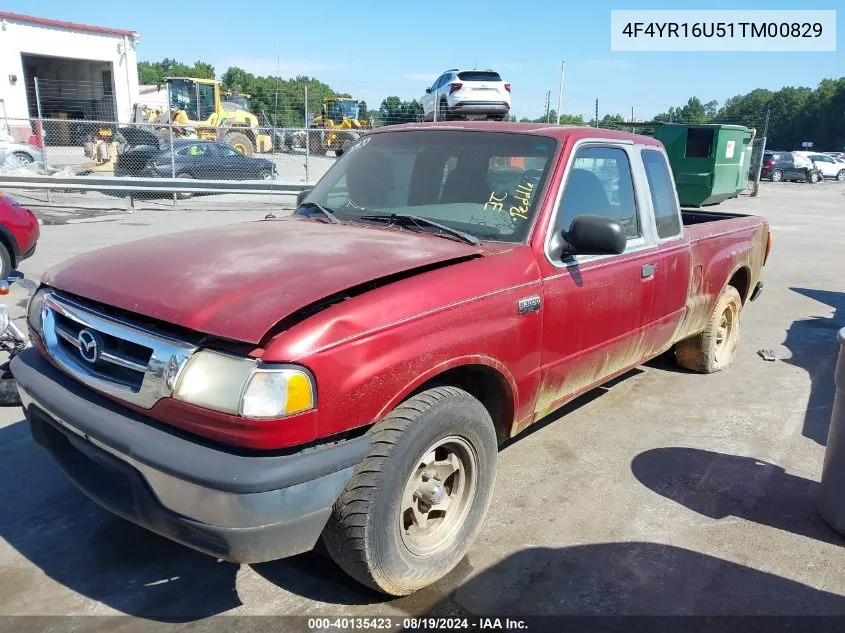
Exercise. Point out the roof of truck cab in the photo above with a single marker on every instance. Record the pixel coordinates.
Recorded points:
(561, 132)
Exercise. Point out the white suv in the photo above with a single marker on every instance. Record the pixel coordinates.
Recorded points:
(828, 165)
(467, 94)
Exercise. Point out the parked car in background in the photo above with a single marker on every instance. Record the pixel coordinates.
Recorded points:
(828, 165)
(203, 160)
(778, 166)
(467, 94)
(19, 233)
(15, 154)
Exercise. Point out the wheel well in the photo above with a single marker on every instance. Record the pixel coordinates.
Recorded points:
(741, 280)
(486, 384)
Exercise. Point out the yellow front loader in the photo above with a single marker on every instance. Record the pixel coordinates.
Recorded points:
(342, 121)
(197, 111)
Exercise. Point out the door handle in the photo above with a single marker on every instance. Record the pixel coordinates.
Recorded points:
(648, 270)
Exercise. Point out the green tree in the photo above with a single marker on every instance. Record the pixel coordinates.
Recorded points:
(393, 111)
(151, 73)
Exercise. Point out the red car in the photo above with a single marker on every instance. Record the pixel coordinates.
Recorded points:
(19, 233)
(349, 372)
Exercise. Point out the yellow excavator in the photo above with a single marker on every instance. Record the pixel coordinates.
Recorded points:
(342, 121)
(197, 111)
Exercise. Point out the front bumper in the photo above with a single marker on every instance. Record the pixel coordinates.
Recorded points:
(245, 509)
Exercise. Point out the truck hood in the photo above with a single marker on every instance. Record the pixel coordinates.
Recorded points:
(238, 281)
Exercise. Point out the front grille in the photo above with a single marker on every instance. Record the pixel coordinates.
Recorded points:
(119, 359)
(111, 355)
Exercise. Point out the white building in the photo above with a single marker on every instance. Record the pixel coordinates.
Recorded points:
(63, 70)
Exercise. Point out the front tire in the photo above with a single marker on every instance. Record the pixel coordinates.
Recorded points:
(240, 142)
(5, 262)
(714, 349)
(413, 505)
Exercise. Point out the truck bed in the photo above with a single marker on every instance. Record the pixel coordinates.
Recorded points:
(699, 216)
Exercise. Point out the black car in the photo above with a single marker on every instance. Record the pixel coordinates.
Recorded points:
(203, 160)
(779, 166)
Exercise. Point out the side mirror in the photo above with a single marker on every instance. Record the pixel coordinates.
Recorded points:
(428, 91)
(592, 235)
(300, 197)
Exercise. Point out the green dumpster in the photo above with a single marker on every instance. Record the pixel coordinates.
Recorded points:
(710, 162)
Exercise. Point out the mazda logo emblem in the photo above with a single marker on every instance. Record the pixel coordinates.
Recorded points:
(90, 345)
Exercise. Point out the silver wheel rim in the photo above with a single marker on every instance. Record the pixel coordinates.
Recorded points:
(438, 495)
(776, 176)
(20, 160)
(725, 332)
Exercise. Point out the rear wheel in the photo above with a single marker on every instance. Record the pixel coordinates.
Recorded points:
(814, 177)
(776, 175)
(21, 159)
(184, 196)
(443, 111)
(408, 514)
(315, 143)
(841, 175)
(714, 349)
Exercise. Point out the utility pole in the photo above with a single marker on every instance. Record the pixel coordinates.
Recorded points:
(548, 105)
(597, 111)
(560, 92)
(632, 118)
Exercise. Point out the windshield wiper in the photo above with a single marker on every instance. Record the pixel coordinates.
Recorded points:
(405, 218)
(326, 212)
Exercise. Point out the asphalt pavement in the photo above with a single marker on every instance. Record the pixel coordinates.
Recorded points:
(663, 493)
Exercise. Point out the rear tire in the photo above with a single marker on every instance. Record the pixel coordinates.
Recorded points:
(841, 175)
(437, 447)
(814, 178)
(22, 159)
(442, 111)
(184, 196)
(714, 349)
(776, 175)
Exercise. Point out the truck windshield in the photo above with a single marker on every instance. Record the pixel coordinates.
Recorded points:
(483, 183)
(339, 110)
(183, 96)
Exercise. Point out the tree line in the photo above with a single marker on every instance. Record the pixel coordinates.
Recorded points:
(795, 114)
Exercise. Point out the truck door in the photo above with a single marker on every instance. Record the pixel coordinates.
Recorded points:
(672, 258)
(596, 309)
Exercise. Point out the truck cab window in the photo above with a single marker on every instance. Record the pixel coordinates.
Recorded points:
(600, 183)
(666, 213)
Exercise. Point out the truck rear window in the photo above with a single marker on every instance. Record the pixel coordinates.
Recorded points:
(484, 183)
(479, 75)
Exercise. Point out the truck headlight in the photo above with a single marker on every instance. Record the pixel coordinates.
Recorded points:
(242, 386)
(33, 308)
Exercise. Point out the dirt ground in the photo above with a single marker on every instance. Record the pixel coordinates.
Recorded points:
(665, 493)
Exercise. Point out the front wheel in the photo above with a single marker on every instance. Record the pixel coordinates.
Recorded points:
(410, 510)
(714, 349)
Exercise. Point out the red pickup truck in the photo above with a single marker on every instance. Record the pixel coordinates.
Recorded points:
(350, 371)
